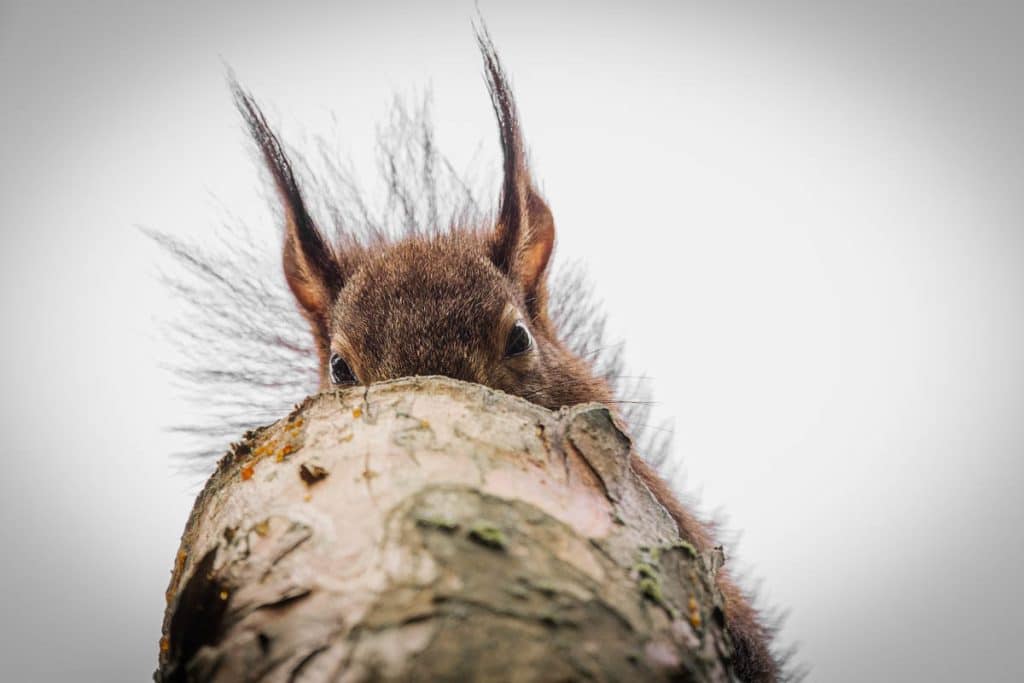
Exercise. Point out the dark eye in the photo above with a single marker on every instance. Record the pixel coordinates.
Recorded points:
(519, 341)
(341, 373)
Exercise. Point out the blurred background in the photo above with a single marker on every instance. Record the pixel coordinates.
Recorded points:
(806, 219)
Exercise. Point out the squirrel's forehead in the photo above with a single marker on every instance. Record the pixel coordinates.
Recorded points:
(408, 276)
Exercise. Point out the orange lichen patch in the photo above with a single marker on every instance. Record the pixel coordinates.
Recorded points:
(308, 497)
(357, 413)
(179, 567)
(274, 447)
(266, 449)
(247, 472)
(285, 451)
(224, 595)
(425, 424)
(695, 619)
(293, 429)
(262, 528)
(165, 644)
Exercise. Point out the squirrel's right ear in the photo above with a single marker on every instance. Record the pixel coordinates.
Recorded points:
(311, 267)
(525, 232)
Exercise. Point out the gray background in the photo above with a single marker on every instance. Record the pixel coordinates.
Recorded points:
(806, 220)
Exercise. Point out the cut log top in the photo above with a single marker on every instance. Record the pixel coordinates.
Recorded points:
(430, 529)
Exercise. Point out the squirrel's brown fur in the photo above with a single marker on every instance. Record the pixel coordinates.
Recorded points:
(445, 302)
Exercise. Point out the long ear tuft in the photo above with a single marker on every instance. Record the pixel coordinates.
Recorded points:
(524, 236)
(310, 265)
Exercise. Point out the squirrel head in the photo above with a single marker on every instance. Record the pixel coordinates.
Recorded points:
(470, 304)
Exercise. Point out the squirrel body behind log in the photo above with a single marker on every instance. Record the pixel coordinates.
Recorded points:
(471, 303)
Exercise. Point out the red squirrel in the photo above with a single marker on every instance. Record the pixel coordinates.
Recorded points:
(470, 302)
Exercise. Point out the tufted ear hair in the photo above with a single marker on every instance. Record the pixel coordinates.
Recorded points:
(524, 235)
(311, 267)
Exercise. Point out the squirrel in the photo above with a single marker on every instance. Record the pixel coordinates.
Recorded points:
(471, 302)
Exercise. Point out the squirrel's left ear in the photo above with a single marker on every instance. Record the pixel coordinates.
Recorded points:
(311, 267)
(525, 232)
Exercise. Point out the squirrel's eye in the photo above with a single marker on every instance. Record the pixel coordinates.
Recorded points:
(341, 373)
(519, 340)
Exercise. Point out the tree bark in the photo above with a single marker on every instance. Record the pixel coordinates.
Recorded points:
(428, 529)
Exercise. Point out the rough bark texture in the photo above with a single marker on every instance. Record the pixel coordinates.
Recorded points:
(429, 529)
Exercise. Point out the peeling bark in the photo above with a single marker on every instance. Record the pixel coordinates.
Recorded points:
(429, 529)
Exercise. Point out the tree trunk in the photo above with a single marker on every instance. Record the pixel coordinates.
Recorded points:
(428, 529)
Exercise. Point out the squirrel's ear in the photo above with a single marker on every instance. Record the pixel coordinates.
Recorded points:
(525, 232)
(310, 265)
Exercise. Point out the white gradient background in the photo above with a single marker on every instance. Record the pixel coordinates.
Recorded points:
(806, 219)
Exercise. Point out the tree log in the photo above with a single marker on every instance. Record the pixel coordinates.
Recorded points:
(428, 529)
